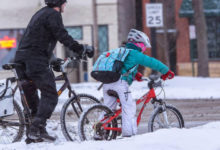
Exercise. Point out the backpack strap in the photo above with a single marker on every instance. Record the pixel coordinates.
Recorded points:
(129, 71)
(121, 55)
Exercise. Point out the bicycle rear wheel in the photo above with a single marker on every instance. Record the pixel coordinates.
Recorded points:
(12, 127)
(71, 112)
(168, 118)
(91, 121)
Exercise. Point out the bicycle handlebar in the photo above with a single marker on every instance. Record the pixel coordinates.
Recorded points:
(67, 60)
(151, 79)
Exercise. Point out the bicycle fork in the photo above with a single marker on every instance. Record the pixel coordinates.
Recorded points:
(163, 122)
(166, 121)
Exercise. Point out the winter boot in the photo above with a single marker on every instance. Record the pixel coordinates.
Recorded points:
(29, 141)
(44, 134)
(34, 132)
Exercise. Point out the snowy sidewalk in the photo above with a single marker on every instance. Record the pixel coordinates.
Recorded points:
(200, 138)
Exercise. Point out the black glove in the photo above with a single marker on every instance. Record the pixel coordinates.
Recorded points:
(88, 50)
(55, 63)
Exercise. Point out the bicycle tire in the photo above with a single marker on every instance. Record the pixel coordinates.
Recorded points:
(69, 118)
(158, 113)
(8, 129)
(96, 127)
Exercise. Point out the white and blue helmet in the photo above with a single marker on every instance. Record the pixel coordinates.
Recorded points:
(138, 37)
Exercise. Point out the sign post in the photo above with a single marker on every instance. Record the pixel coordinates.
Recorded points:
(154, 18)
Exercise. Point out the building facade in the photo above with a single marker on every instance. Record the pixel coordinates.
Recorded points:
(78, 20)
(115, 19)
(181, 38)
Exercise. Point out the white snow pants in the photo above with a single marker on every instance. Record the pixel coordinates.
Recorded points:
(129, 124)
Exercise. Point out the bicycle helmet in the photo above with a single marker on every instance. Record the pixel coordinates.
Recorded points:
(54, 3)
(135, 36)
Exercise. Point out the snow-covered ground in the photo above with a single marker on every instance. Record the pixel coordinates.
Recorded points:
(204, 137)
(199, 138)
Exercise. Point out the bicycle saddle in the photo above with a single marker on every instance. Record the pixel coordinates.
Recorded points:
(10, 66)
(113, 93)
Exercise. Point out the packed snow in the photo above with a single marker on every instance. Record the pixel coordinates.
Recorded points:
(204, 137)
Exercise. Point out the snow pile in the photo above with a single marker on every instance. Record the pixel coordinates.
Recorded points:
(200, 138)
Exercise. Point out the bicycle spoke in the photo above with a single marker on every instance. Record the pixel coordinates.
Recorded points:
(71, 113)
(12, 127)
(6, 135)
(92, 121)
(172, 120)
(166, 119)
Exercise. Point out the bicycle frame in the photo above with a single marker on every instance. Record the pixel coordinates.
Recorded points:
(61, 77)
(26, 116)
(65, 85)
(146, 98)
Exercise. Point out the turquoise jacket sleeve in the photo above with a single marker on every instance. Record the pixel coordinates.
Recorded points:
(136, 58)
(150, 62)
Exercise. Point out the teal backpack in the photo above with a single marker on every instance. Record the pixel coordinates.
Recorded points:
(107, 68)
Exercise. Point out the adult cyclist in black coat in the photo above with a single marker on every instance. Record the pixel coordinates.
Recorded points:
(34, 52)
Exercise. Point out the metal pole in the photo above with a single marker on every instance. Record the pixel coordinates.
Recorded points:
(95, 29)
(153, 42)
(166, 44)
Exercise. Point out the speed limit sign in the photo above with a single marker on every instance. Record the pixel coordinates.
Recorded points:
(154, 15)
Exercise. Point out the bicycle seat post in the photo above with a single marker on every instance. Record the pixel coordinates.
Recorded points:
(15, 73)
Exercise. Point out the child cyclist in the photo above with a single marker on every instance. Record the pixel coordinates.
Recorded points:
(137, 43)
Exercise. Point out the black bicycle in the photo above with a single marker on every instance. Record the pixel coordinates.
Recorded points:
(12, 127)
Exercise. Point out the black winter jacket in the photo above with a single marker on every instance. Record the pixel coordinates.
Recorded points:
(42, 33)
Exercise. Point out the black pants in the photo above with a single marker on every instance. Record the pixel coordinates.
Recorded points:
(39, 76)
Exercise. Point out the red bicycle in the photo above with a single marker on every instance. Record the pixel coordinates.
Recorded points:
(101, 121)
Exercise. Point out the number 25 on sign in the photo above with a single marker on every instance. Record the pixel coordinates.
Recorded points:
(154, 15)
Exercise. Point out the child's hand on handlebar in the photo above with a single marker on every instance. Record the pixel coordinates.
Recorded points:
(138, 76)
(168, 75)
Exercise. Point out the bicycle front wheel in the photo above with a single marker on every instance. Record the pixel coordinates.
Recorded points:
(12, 127)
(168, 118)
(71, 112)
(91, 124)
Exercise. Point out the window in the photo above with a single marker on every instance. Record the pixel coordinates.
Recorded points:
(75, 32)
(9, 40)
(103, 38)
(213, 33)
